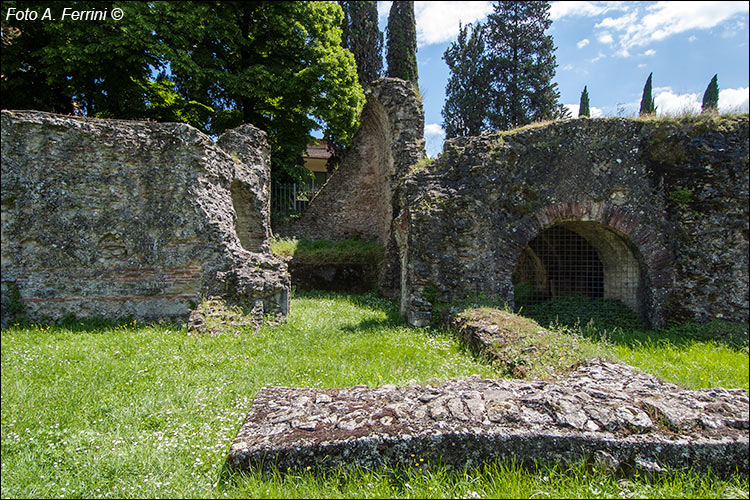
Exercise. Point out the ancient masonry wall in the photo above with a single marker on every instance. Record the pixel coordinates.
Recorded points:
(664, 202)
(357, 201)
(113, 218)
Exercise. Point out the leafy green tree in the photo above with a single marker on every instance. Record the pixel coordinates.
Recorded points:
(94, 68)
(363, 38)
(467, 97)
(583, 108)
(401, 32)
(277, 65)
(711, 97)
(523, 63)
(647, 102)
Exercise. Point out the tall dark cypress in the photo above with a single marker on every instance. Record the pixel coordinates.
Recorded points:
(467, 93)
(583, 108)
(711, 97)
(401, 47)
(647, 102)
(363, 38)
(523, 64)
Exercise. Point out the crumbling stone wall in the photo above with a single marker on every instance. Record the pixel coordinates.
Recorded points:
(614, 415)
(357, 201)
(663, 200)
(114, 218)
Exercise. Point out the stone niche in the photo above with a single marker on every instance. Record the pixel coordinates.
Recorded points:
(654, 211)
(115, 218)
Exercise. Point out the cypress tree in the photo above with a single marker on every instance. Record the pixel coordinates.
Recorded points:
(363, 38)
(466, 95)
(401, 49)
(523, 63)
(711, 97)
(583, 108)
(647, 102)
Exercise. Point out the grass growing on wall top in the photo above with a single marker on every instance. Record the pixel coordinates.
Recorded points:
(103, 410)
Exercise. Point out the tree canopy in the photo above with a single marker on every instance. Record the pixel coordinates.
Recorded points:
(711, 97)
(401, 53)
(522, 61)
(467, 93)
(363, 38)
(502, 72)
(94, 68)
(583, 108)
(647, 101)
(277, 65)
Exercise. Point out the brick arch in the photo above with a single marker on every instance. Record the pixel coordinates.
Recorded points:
(623, 230)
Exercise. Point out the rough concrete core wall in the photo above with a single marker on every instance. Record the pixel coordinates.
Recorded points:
(358, 200)
(114, 218)
(664, 203)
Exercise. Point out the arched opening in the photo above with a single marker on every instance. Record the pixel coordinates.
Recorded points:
(582, 259)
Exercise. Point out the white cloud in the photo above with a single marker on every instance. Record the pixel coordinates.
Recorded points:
(734, 100)
(433, 129)
(605, 38)
(573, 108)
(586, 9)
(598, 57)
(618, 23)
(669, 103)
(437, 22)
(582, 43)
(730, 100)
(664, 19)
(649, 52)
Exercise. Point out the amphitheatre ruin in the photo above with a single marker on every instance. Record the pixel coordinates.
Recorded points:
(115, 218)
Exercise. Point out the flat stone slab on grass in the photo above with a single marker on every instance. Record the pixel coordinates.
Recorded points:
(612, 413)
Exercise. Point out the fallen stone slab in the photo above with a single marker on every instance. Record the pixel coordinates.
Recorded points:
(611, 413)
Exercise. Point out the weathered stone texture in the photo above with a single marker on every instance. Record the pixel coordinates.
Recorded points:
(113, 218)
(664, 200)
(357, 201)
(602, 410)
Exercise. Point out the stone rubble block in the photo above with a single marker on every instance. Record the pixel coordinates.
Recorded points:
(612, 414)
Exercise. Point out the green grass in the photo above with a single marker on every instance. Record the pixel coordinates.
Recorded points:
(103, 410)
(328, 252)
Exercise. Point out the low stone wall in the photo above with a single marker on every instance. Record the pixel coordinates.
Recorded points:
(114, 218)
(664, 203)
(613, 414)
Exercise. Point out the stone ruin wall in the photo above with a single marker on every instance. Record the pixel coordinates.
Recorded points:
(357, 201)
(665, 198)
(114, 218)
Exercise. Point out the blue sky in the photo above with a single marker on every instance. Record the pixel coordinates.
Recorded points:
(611, 47)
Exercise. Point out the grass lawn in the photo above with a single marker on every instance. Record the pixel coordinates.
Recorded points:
(104, 410)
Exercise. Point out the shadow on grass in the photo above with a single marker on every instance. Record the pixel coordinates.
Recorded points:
(95, 325)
